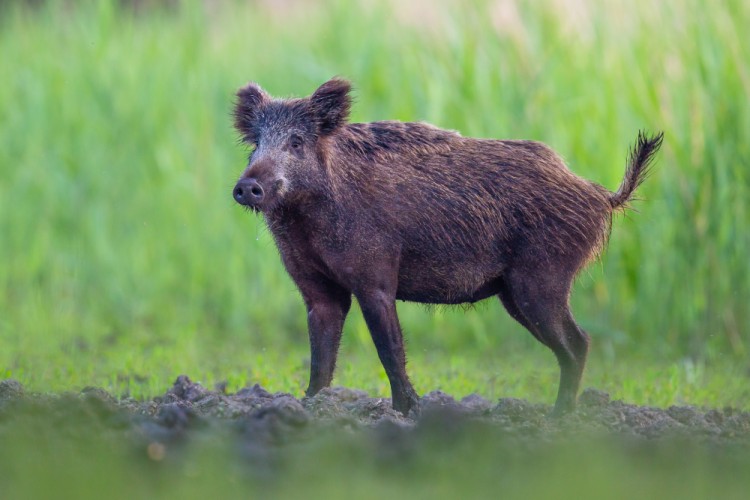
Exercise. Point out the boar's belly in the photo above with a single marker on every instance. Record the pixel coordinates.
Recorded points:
(441, 287)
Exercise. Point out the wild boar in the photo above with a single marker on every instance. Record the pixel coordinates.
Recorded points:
(390, 211)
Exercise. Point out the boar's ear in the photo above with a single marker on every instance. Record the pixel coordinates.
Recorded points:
(250, 100)
(330, 104)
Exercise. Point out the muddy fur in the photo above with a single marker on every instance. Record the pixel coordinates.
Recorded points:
(390, 210)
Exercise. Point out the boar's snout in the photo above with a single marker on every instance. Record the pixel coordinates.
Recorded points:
(248, 192)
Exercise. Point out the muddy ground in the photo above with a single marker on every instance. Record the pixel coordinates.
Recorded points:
(260, 423)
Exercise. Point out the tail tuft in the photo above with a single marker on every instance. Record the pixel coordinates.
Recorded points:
(639, 164)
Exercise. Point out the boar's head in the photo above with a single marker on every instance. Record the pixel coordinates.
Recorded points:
(286, 137)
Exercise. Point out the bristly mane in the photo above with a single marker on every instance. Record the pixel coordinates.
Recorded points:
(386, 140)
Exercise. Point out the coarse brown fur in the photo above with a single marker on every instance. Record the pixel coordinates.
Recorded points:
(391, 211)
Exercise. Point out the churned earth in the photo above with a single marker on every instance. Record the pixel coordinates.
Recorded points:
(196, 442)
(261, 422)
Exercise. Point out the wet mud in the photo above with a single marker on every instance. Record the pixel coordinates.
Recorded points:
(261, 423)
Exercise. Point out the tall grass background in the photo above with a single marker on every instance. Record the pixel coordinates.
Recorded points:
(123, 255)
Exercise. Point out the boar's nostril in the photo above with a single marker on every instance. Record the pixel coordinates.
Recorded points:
(248, 192)
(255, 191)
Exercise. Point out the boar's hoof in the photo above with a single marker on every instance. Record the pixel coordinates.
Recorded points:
(406, 402)
(560, 410)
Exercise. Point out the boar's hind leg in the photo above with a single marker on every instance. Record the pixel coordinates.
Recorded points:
(327, 306)
(539, 301)
(379, 310)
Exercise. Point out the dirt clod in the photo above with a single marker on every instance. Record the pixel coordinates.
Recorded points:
(10, 389)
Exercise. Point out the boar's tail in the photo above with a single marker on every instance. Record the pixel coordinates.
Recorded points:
(639, 164)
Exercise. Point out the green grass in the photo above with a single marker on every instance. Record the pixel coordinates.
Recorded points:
(125, 261)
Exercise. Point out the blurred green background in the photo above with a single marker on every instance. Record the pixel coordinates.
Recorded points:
(125, 262)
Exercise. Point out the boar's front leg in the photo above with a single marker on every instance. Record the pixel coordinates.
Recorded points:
(379, 309)
(327, 306)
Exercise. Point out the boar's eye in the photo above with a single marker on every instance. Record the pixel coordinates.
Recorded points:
(295, 142)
